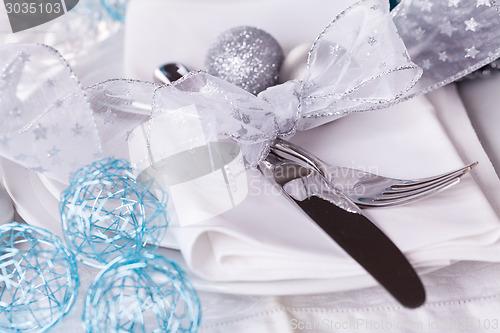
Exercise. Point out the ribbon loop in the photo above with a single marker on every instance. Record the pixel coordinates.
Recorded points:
(357, 63)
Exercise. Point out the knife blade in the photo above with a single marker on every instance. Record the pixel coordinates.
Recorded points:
(345, 223)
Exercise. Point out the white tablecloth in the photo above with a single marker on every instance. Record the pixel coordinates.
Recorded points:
(464, 297)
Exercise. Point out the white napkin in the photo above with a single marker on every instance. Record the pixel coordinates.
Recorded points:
(481, 100)
(163, 31)
(266, 237)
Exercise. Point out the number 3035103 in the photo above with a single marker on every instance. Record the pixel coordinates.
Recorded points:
(33, 8)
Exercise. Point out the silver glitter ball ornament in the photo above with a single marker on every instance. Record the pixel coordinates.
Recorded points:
(247, 57)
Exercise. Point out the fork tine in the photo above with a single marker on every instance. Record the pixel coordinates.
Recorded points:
(418, 183)
(417, 192)
(429, 182)
(424, 191)
(401, 191)
(381, 202)
(378, 191)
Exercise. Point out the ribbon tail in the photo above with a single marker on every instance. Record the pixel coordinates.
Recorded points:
(46, 122)
(448, 39)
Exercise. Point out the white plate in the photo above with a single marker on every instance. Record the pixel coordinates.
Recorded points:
(32, 201)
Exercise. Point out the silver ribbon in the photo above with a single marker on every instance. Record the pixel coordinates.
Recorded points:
(358, 63)
(46, 121)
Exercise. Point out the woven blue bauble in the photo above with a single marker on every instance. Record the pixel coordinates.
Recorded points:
(38, 281)
(143, 293)
(106, 213)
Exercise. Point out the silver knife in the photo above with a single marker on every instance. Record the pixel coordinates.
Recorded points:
(344, 222)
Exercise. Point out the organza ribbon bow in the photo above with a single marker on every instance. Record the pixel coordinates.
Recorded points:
(358, 63)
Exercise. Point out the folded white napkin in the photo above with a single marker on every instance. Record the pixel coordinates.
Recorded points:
(163, 31)
(266, 237)
(481, 100)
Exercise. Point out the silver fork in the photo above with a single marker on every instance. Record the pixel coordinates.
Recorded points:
(370, 190)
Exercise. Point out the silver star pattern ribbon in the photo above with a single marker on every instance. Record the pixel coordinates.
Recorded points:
(46, 121)
(358, 63)
(448, 38)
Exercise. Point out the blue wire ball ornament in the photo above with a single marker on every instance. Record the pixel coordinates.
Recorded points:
(106, 213)
(247, 57)
(39, 279)
(142, 293)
